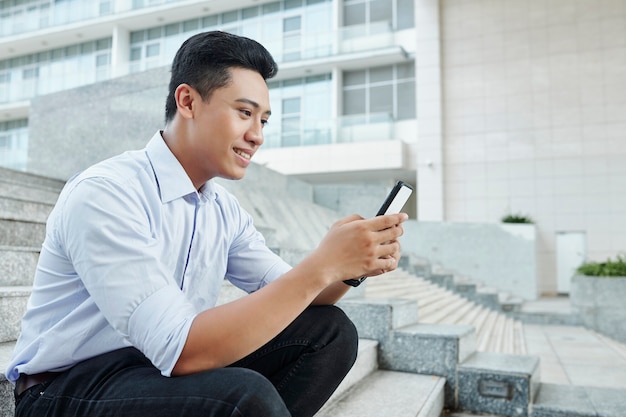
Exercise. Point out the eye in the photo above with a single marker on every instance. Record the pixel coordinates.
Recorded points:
(246, 112)
(264, 122)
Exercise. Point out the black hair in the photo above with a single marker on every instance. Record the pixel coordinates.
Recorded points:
(204, 61)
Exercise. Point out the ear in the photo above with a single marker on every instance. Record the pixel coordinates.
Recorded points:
(185, 95)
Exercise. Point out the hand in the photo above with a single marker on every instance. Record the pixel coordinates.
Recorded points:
(356, 247)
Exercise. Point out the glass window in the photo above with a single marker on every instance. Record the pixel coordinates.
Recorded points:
(354, 101)
(406, 71)
(292, 4)
(405, 14)
(387, 89)
(292, 24)
(354, 14)
(103, 44)
(135, 53)
(381, 74)
(136, 37)
(381, 10)
(406, 100)
(250, 12)
(153, 50)
(381, 99)
(399, 13)
(354, 78)
(191, 25)
(154, 33)
(172, 29)
(209, 21)
(291, 105)
(30, 73)
(230, 17)
(271, 7)
(103, 60)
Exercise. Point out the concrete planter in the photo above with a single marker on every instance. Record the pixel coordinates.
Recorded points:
(600, 303)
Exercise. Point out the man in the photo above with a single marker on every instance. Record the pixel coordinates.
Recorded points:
(122, 319)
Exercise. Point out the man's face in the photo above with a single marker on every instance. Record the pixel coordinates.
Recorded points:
(228, 129)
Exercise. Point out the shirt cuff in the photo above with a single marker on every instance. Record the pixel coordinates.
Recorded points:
(159, 327)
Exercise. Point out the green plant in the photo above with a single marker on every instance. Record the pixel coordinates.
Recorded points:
(516, 218)
(610, 268)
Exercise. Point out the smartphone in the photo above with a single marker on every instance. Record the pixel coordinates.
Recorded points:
(396, 199)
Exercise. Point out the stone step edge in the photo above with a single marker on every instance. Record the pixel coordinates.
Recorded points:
(391, 393)
(15, 291)
(366, 363)
(9, 248)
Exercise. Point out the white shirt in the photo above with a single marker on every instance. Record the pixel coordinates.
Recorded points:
(132, 254)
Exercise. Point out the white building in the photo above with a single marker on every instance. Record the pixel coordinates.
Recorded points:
(488, 107)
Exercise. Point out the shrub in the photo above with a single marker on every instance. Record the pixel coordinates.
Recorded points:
(610, 268)
(517, 218)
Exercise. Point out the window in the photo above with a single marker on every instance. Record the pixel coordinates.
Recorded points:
(385, 92)
(302, 109)
(399, 13)
(152, 50)
(292, 38)
(290, 122)
(30, 73)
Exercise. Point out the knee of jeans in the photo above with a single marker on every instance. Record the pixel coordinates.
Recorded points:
(346, 334)
(260, 397)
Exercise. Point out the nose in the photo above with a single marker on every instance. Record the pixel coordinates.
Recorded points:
(254, 135)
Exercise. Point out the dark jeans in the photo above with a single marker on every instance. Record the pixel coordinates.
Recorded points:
(292, 375)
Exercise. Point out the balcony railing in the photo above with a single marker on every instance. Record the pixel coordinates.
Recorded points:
(346, 129)
(32, 17)
(13, 87)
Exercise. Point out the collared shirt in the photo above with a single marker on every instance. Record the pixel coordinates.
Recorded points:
(133, 252)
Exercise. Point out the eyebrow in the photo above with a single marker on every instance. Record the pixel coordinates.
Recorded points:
(252, 103)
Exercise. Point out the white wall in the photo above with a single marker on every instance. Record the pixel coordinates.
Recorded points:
(534, 118)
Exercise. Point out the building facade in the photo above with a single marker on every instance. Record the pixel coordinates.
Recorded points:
(488, 107)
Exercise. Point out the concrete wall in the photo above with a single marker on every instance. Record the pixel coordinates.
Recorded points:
(534, 115)
(502, 256)
(600, 303)
(73, 129)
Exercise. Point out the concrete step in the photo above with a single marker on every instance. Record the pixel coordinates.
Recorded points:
(17, 265)
(28, 192)
(16, 209)
(494, 331)
(21, 233)
(7, 406)
(498, 384)
(30, 180)
(391, 394)
(13, 300)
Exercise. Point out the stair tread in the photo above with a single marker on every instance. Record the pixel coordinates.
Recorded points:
(495, 332)
(412, 394)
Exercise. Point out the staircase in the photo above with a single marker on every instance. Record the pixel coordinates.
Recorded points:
(25, 202)
(424, 348)
(495, 331)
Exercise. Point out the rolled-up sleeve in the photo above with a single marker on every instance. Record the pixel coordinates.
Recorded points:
(109, 233)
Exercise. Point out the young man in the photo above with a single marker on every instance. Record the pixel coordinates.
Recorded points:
(122, 319)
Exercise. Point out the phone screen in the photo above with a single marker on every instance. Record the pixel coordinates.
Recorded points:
(396, 199)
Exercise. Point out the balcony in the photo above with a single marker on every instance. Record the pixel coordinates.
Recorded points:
(33, 17)
(359, 47)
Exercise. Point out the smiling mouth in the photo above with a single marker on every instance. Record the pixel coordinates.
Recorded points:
(243, 154)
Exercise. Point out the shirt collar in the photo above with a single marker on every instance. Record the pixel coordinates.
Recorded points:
(171, 177)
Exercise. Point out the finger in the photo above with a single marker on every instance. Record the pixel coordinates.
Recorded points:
(346, 220)
(390, 234)
(387, 221)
